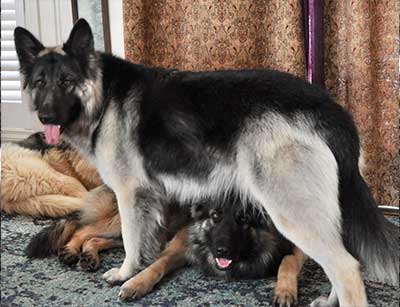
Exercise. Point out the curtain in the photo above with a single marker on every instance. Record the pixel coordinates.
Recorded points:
(362, 72)
(360, 57)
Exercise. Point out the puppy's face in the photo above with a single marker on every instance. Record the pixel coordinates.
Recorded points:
(55, 77)
(231, 241)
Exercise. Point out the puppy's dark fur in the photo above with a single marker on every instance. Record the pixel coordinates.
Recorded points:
(242, 234)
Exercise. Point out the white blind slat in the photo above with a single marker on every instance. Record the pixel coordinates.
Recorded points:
(10, 95)
(8, 15)
(9, 65)
(10, 77)
(7, 4)
(8, 24)
(10, 85)
(9, 55)
(7, 45)
(7, 35)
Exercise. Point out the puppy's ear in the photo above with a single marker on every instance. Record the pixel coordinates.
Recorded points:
(27, 47)
(80, 41)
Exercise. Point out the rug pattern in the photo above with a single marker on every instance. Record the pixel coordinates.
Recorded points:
(26, 282)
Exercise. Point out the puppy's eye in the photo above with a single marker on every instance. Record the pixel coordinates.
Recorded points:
(65, 82)
(216, 216)
(39, 83)
(243, 219)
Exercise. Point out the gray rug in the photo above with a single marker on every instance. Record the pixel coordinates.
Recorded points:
(46, 282)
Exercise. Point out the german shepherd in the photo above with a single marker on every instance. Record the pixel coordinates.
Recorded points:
(274, 139)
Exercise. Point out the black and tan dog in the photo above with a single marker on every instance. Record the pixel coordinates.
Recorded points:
(219, 237)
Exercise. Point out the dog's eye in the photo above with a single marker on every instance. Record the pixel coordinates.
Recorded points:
(216, 216)
(39, 83)
(65, 82)
(243, 219)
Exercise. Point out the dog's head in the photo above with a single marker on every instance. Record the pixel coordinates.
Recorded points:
(56, 78)
(231, 240)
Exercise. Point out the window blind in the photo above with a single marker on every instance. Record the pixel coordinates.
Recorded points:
(10, 78)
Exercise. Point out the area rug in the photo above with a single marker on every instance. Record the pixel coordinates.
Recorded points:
(26, 282)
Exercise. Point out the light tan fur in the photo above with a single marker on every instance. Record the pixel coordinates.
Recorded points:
(48, 185)
(286, 285)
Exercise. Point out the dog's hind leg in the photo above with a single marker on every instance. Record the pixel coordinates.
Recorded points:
(298, 186)
(89, 259)
(108, 227)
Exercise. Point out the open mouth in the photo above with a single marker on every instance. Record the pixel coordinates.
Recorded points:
(223, 263)
(52, 134)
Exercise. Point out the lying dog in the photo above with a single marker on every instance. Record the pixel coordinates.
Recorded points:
(42, 180)
(221, 238)
(274, 139)
(226, 241)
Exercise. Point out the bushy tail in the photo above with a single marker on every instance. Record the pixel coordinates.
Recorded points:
(99, 204)
(368, 235)
(49, 240)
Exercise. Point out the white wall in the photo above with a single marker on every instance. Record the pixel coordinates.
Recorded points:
(116, 27)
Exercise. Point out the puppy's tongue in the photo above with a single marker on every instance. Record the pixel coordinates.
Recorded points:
(223, 263)
(52, 134)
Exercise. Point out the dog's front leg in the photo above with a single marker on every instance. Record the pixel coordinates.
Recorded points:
(141, 213)
(131, 230)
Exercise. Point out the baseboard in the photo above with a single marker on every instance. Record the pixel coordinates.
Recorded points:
(390, 210)
(13, 134)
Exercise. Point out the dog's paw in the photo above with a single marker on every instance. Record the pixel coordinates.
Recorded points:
(284, 298)
(115, 277)
(89, 262)
(134, 288)
(322, 301)
(68, 256)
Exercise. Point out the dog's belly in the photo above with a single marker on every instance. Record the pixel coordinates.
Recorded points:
(220, 181)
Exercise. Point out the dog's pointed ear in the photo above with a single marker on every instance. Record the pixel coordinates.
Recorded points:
(27, 47)
(80, 41)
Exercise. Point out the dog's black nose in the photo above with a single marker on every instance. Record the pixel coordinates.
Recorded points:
(48, 118)
(222, 252)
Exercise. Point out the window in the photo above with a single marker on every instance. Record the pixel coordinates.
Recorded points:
(11, 16)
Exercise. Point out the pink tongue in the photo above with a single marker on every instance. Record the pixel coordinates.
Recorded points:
(223, 263)
(52, 133)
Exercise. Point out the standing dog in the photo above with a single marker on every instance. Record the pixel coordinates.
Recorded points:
(272, 138)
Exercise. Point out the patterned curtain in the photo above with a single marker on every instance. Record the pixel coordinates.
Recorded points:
(362, 72)
(361, 56)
